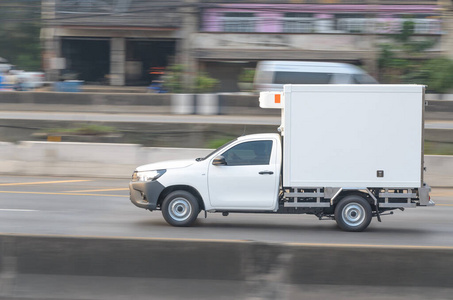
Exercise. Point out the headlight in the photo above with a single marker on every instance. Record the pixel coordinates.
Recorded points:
(147, 175)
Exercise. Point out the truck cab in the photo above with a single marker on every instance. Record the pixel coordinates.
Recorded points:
(242, 175)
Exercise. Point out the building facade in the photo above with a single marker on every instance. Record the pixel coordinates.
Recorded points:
(116, 42)
(123, 42)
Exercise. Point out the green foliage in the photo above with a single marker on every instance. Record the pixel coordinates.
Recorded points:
(174, 81)
(401, 62)
(216, 143)
(204, 83)
(406, 42)
(84, 129)
(19, 33)
(406, 32)
(439, 74)
(438, 148)
(247, 75)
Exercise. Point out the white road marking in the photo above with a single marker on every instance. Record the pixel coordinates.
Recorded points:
(18, 210)
(102, 190)
(41, 182)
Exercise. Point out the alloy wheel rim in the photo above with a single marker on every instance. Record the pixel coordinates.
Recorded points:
(353, 214)
(180, 209)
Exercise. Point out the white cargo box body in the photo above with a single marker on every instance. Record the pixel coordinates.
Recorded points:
(353, 136)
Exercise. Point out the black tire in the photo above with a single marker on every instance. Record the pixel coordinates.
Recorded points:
(353, 213)
(180, 208)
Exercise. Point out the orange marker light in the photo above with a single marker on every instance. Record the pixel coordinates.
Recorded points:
(277, 98)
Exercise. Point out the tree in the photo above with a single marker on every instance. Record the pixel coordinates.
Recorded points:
(439, 74)
(401, 61)
(19, 33)
(173, 81)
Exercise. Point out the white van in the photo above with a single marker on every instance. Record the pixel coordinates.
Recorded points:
(272, 75)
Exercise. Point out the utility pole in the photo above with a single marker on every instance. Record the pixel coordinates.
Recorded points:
(52, 61)
(447, 27)
(189, 28)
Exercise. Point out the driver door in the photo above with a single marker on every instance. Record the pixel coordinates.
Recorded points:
(249, 177)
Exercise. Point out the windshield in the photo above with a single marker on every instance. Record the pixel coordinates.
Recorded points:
(218, 149)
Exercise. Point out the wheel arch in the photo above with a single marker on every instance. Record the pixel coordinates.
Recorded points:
(345, 193)
(186, 188)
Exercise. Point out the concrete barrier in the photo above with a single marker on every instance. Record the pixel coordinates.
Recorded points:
(261, 266)
(439, 110)
(86, 102)
(221, 103)
(120, 99)
(84, 159)
(119, 160)
(205, 104)
(443, 97)
(439, 170)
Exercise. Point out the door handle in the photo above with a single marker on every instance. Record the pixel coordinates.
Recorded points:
(266, 173)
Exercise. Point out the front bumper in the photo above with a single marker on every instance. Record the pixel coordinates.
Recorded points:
(145, 194)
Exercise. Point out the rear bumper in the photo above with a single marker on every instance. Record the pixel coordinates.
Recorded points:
(145, 194)
(431, 203)
(423, 196)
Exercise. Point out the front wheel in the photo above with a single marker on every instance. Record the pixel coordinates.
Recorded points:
(180, 208)
(353, 213)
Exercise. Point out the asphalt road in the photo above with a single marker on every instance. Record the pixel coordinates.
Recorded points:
(101, 207)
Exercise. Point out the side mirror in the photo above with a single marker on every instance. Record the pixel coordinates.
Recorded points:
(219, 161)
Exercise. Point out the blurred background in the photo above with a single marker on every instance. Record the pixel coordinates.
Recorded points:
(90, 89)
(136, 42)
(164, 49)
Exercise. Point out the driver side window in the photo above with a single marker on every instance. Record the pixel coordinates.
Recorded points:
(249, 153)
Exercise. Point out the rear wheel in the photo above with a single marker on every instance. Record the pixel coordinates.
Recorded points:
(180, 208)
(353, 213)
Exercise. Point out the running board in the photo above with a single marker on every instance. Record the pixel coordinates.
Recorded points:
(307, 204)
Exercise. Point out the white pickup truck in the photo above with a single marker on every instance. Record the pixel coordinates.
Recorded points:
(344, 153)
